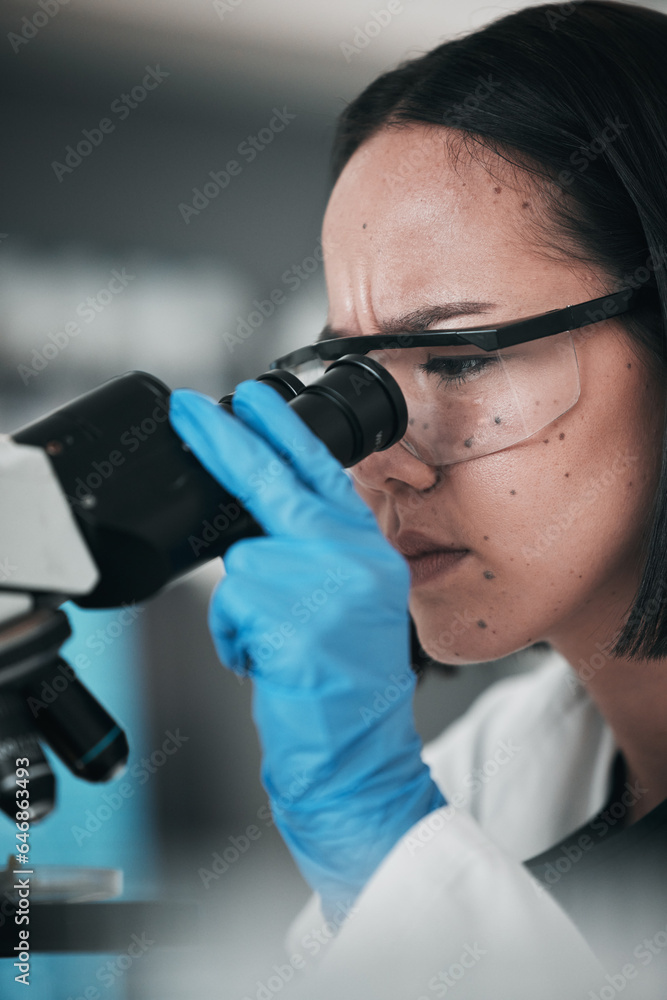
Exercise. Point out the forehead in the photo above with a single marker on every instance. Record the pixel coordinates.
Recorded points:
(408, 209)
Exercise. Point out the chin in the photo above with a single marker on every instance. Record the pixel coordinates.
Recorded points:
(463, 640)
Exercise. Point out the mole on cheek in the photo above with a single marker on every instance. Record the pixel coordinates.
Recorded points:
(513, 492)
(497, 190)
(481, 623)
(567, 474)
(561, 436)
(488, 575)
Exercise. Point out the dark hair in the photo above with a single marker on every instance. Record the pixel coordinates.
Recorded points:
(543, 88)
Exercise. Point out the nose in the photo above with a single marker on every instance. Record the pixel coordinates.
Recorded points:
(395, 470)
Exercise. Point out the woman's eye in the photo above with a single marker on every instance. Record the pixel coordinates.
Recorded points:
(455, 371)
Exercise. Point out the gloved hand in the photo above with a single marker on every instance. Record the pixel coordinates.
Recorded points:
(318, 608)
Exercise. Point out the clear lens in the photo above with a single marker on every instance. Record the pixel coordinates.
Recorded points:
(464, 402)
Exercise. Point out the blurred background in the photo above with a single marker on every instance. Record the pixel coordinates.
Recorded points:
(119, 251)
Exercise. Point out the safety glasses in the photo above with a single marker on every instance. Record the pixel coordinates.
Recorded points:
(510, 380)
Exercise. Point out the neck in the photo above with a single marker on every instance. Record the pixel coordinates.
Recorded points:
(632, 697)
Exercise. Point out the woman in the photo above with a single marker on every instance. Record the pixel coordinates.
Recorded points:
(508, 174)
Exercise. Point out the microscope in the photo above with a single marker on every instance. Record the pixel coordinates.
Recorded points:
(102, 503)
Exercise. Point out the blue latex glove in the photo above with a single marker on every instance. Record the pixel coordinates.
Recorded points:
(319, 610)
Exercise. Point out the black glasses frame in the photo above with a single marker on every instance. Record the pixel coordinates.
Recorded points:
(488, 338)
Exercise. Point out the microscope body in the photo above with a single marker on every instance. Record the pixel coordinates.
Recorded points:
(102, 503)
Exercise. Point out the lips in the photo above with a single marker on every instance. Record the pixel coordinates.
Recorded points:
(427, 557)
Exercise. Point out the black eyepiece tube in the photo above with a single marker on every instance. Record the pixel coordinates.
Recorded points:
(356, 408)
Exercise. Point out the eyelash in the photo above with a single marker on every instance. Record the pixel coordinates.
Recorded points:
(436, 366)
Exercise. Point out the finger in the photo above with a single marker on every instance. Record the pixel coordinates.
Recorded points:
(246, 465)
(263, 409)
(249, 613)
(225, 631)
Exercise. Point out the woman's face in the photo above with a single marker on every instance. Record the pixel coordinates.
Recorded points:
(551, 525)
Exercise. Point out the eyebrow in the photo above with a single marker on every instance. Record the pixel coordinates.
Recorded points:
(418, 320)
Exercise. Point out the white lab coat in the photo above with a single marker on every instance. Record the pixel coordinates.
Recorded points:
(451, 910)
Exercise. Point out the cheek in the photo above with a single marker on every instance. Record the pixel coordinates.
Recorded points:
(550, 522)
